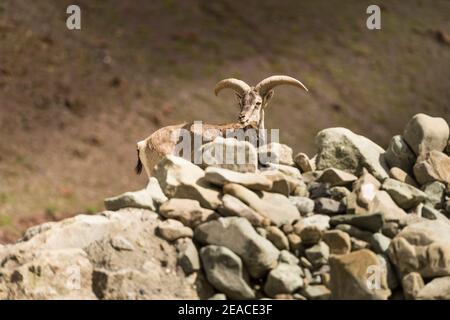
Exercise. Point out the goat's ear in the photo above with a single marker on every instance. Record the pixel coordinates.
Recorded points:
(267, 98)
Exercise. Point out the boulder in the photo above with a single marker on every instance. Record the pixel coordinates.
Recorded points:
(335, 177)
(422, 247)
(436, 289)
(187, 255)
(224, 270)
(258, 254)
(404, 195)
(342, 149)
(285, 278)
(338, 241)
(188, 211)
(402, 176)
(230, 153)
(435, 166)
(304, 205)
(328, 206)
(275, 153)
(358, 275)
(277, 237)
(424, 134)
(371, 222)
(322, 222)
(412, 283)
(220, 177)
(435, 192)
(304, 163)
(398, 154)
(232, 206)
(180, 178)
(172, 230)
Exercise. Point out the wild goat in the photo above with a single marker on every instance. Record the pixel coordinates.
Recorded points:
(252, 102)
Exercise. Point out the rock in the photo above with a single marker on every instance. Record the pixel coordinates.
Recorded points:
(285, 278)
(277, 237)
(304, 163)
(46, 274)
(384, 204)
(352, 231)
(398, 154)
(336, 177)
(435, 192)
(225, 272)
(172, 230)
(295, 242)
(310, 235)
(137, 199)
(436, 289)
(422, 247)
(358, 244)
(434, 167)
(319, 190)
(318, 254)
(317, 292)
(412, 283)
(371, 222)
(180, 178)
(402, 176)
(121, 243)
(403, 194)
(342, 149)
(424, 134)
(380, 243)
(273, 206)
(328, 206)
(356, 275)
(230, 153)
(391, 275)
(430, 213)
(218, 296)
(320, 221)
(339, 193)
(232, 206)
(275, 153)
(287, 257)
(82, 252)
(220, 177)
(304, 205)
(187, 255)
(258, 254)
(280, 183)
(390, 229)
(188, 211)
(366, 188)
(338, 241)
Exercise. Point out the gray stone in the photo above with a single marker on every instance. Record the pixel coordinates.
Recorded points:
(422, 247)
(435, 166)
(287, 257)
(371, 222)
(285, 278)
(187, 255)
(342, 149)
(336, 177)
(275, 153)
(180, 178)
(349, 276)
(390, 229)
(304, 163)
(232, 206)
(380, 243)
(412, 283)
(317, 292)
(322, 222)
(430, 213)
(277, 237)
(310, 235)
(258, 254)
(400, 175)
(328, 206)
(319, 190)
(220, 177)
(398, 154)
(318, 254)
(424, 133)
(403, 194)
(224, 270)
(384, 204)
(436, 289)
(338, 241)
(188, 211)
(435, 192)
(304, 205)
(339, 193)
(172, 230)
(137, 199)
(230, 153)
(273, 206)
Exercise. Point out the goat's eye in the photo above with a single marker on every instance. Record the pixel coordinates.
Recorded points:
(258, 103)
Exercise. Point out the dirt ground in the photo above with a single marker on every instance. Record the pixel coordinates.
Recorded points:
(73, 104)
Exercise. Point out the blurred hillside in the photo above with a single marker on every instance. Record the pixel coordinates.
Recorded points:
(74, 103)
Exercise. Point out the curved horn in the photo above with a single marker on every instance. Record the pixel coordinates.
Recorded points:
(237, 85)
(271, 82)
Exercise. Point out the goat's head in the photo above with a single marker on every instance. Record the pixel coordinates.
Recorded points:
(253, 100)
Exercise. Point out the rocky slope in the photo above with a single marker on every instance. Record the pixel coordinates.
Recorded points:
(353, 222)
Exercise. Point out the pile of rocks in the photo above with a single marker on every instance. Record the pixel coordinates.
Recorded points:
(353, 222)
